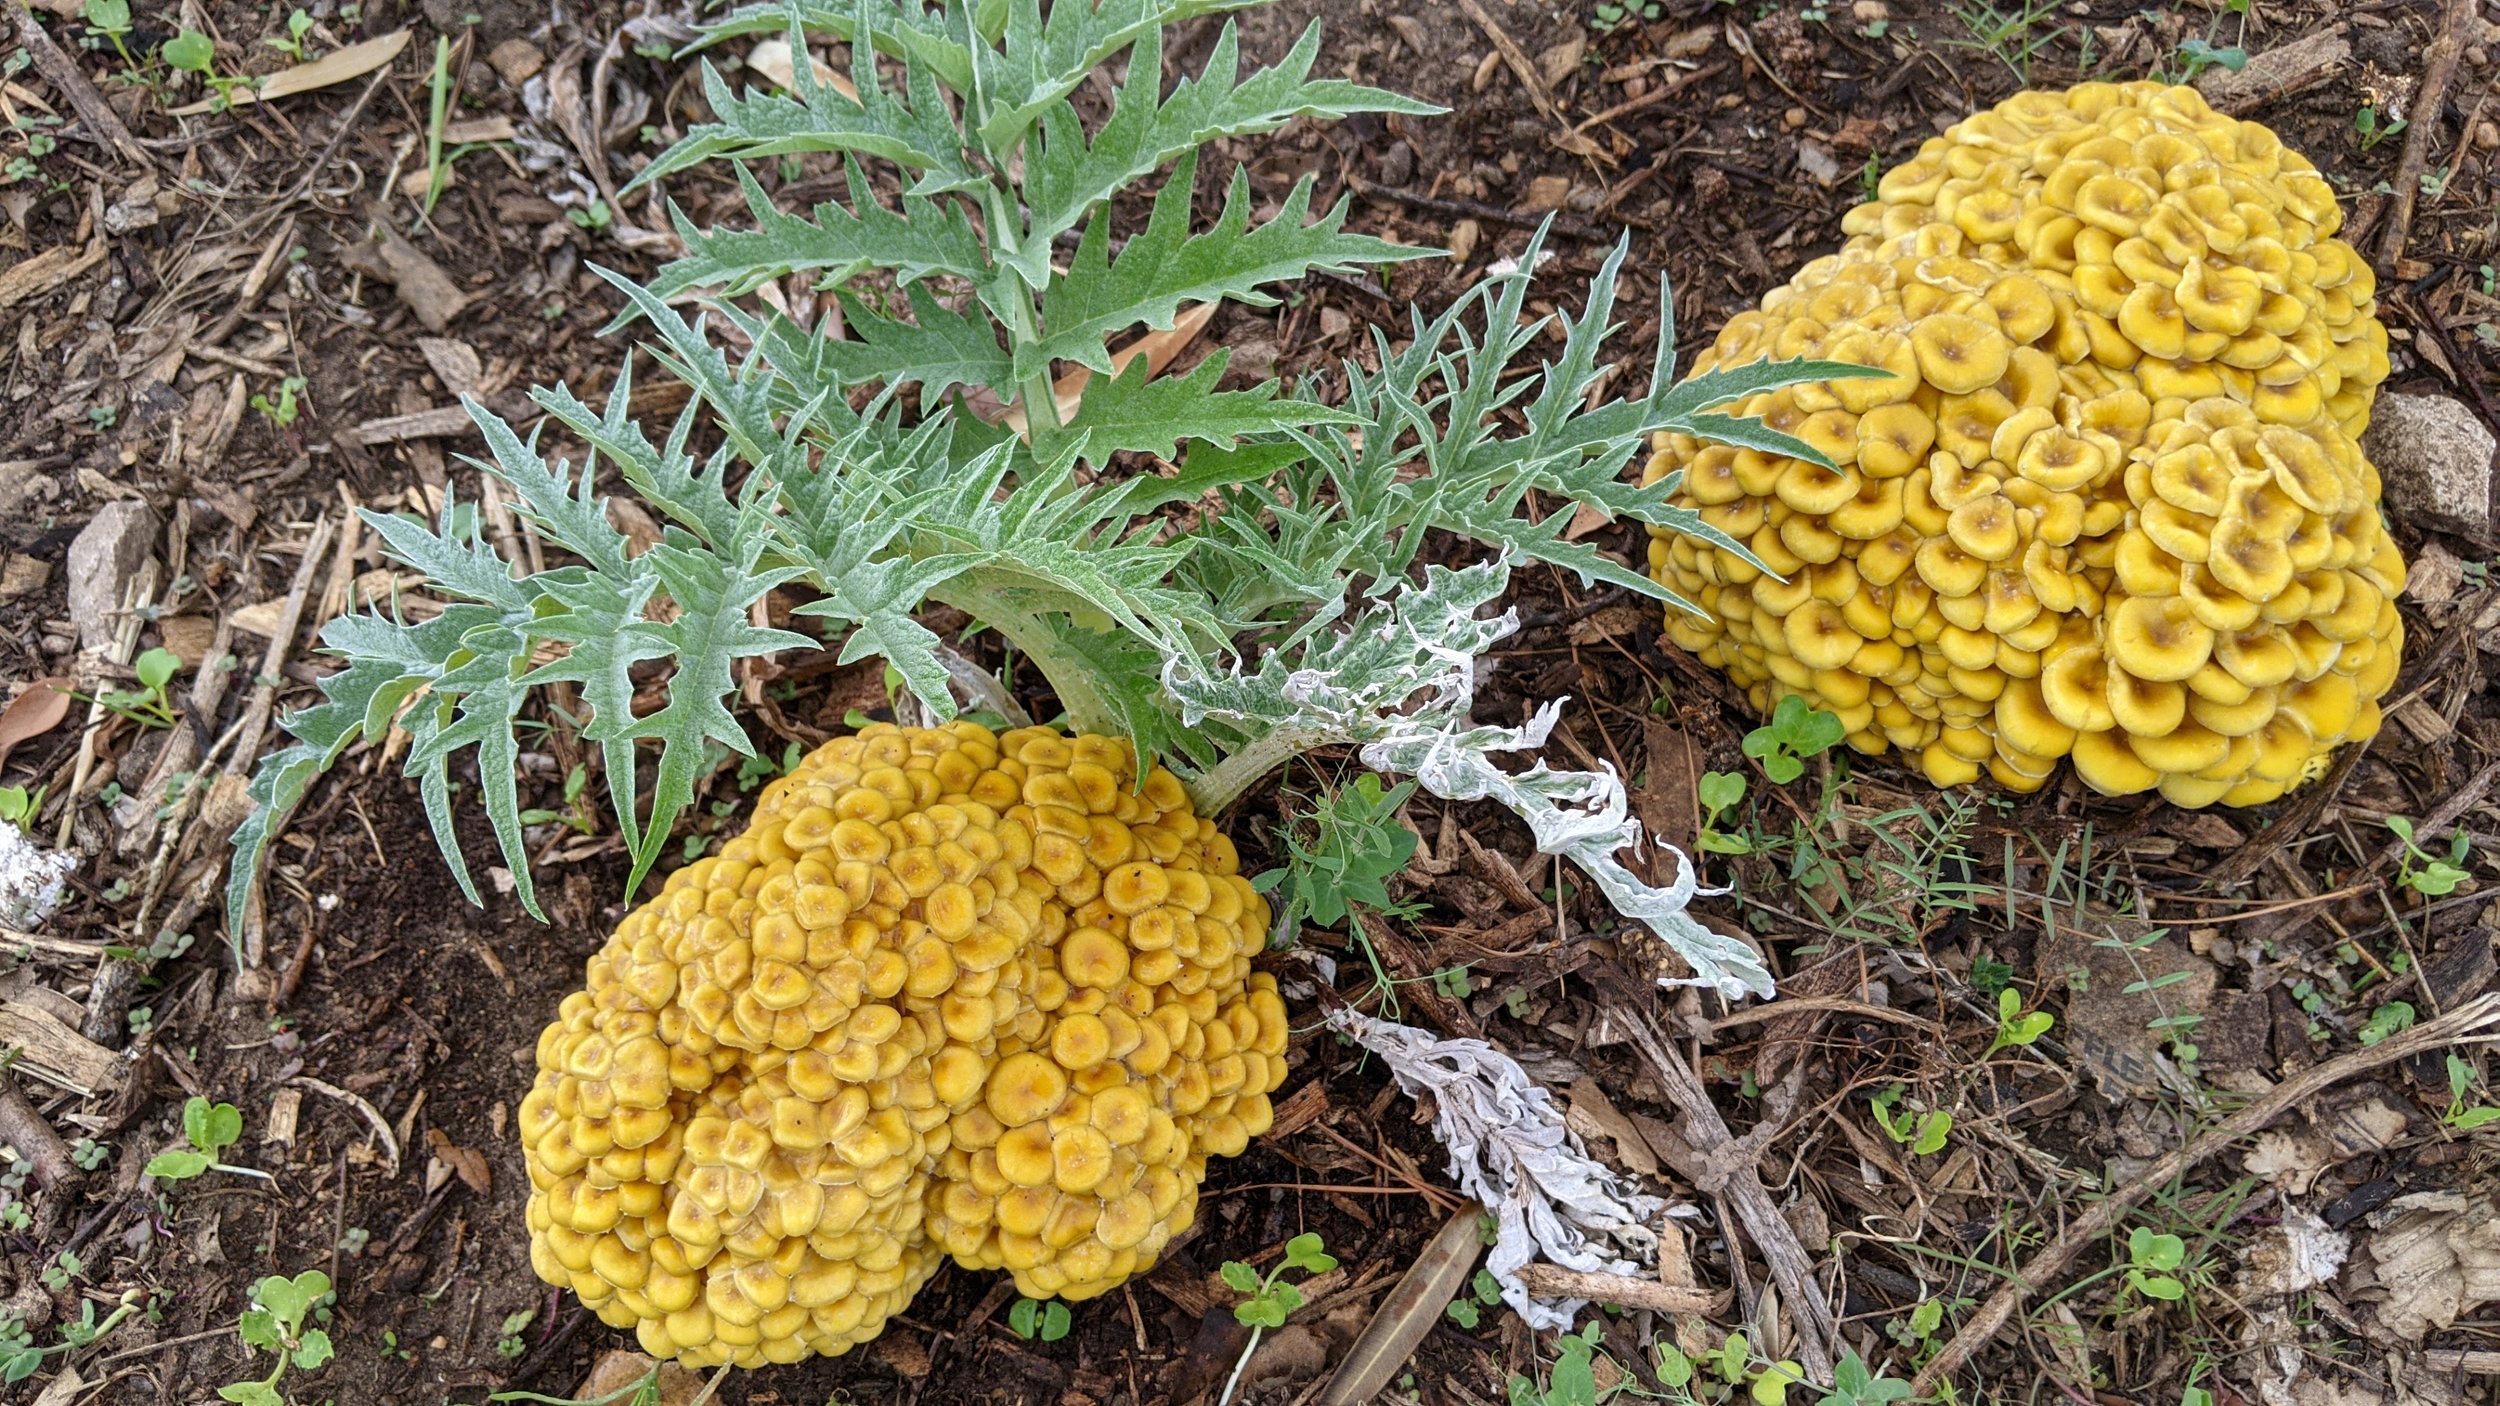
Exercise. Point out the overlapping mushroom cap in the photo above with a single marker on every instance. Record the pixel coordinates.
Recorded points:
(2109, 506)
(950, 993)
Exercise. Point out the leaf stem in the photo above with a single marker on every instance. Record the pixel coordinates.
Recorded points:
(1210, 791)
(1235, 1380)
(1071, 676)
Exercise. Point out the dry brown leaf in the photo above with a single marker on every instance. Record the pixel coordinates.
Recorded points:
(466, 1162)
(619, 1368)
(33, 713)
(1407, 1314)
(1614, 622)
(1592, 1114)
(337, 66)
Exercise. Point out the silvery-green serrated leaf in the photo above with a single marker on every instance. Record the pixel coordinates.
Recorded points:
(742, 403)
(599, 656)
(662, 474)
(917, 135)
(877, 598)
(1166, 266)
(486, 693)
(1130, 412)
(1067, 174)
(278, 786)
(710, 633)
(927, 238)
(463, 568)
(1039, 61)
(937, 350)
(908, 28)
(564, 506)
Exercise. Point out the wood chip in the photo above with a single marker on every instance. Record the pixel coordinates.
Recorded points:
(286, 1109)
(1552, 1281)
(32, 278)
(334, 67)
(423, 286)
(441, 422)
(49, 1049)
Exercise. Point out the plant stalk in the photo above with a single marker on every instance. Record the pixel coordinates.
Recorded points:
(1239, 1367)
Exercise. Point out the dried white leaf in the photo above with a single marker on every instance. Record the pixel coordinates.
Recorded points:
(1510, 1150)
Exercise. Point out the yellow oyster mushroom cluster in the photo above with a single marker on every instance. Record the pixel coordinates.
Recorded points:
(950, 994)
(2108, 506)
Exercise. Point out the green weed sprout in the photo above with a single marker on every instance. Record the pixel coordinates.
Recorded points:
(19, 805)
(20, 1358)
(109, 20)
(1271, 1300)
(1795, 732)
(1573, 1378)
(1482, 1292)
(195, 53)
(2374, 128)
(281, 1307)
(283, 411)
(2151, 1256)
(298, 25)
(1034, 1318)
(1855, 1384)
(1339, 857)
(146, 705)
(2460, 1083)
(210, 1129)
(1719, 792)
(2015, 1029)
(1923, 1133)
(1712, 1377)
(2426, 873)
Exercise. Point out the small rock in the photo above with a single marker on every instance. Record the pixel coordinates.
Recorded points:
(516, 60)
(2487, 136)
(190, 636)
(23, 576)
(107, 552)
(1817, 160)
(136, 210)
(1548, 192)
(1397, 164)
(423, 286)
(1869, 11)
(2434, 457)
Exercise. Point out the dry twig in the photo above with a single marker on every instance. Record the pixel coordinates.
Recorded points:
(2446, 45)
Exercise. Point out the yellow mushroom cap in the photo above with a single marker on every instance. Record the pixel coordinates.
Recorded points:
(2111, 486)
(707, 1163)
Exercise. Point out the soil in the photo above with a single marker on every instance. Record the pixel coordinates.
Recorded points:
(382, 995)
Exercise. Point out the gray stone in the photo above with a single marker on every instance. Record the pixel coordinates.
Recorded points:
(106, 554)
(2435, 459)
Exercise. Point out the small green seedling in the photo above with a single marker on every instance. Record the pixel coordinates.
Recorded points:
(1271, 1300)
(109, 20)
(298, 26)
(1573, 1380)
(195, 53)
(281, 1307)
(210, 1128)
(20, 1358)
(2015, 1028)
(1923, 1133)
(283, 411)
(1716, 1377)
(511, 1341)
(2374, 128)
(1854, 1384)
(1034, 1318)
(1719, 792)
(577, 814)
(1354, 846)
(18, 805)
(2424, 872)
(2151, 1256)
(147, 705)
(1795, 732)
(2460, 1083)
(2198, 55)
(594, 217)
(2392, 1018)
(1482, 1292)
